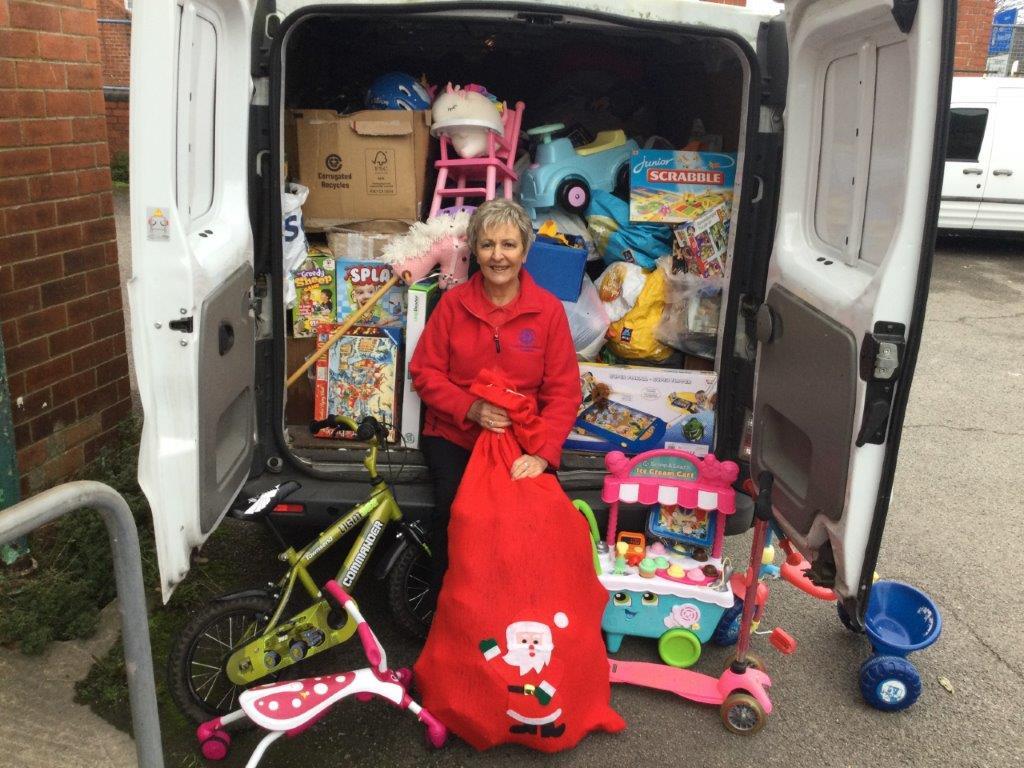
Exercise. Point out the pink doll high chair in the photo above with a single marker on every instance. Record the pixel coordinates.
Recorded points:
(289, 708)
(458, 110)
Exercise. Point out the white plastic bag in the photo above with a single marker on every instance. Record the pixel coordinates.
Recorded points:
(294, 245)
(618, 288)
(588, 321)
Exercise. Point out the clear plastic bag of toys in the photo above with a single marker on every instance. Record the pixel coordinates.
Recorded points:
(693, 306)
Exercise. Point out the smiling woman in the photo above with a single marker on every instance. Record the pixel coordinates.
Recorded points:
(500, 320)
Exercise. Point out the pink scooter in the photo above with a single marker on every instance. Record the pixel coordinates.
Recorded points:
(289, 708)
(740, 691)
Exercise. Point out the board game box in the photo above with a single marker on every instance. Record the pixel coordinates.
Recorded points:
(670, 187)
(358, 281)
(423, 296)
(315, 292)
(635, 408)
(699, 246)
(360, 376)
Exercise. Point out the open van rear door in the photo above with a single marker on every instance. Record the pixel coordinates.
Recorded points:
(838, 331)
(192, 276)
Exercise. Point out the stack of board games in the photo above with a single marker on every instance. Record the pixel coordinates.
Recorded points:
(360, 376)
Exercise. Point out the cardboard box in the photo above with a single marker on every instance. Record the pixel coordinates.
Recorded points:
(647, 408)
(364, 240)
(678, 186)
(422, 298)
(358, 281)
(316, 292)
(367, 165)
(360, 376)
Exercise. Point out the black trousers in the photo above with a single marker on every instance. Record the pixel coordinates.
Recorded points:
(447, 463)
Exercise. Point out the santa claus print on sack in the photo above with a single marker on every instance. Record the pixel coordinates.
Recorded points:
(530, 675)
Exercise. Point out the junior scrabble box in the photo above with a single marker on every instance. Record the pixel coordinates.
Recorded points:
(635, 408)
(675, 186)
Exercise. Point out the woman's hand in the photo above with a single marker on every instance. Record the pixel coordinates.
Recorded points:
(528, 465)
(489, 416)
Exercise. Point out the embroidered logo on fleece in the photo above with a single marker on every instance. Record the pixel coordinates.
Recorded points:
(528, 340)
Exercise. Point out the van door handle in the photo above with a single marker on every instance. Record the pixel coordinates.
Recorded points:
(972, 171)
(1002, 172)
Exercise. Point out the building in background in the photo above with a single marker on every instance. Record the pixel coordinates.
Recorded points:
(115, 26)
(1006, 43)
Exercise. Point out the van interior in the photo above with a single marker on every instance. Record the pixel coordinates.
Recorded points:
(589, 73)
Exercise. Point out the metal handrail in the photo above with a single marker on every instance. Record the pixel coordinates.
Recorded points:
(45, 507)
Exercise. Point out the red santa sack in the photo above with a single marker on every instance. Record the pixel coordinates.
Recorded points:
(515, 653)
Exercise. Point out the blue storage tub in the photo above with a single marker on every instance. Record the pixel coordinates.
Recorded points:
(556, 267)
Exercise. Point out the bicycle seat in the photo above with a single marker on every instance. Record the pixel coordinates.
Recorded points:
(262, 505)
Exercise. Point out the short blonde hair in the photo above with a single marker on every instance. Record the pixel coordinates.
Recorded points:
(495, 213)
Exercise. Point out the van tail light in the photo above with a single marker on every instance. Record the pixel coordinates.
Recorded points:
(290, 509)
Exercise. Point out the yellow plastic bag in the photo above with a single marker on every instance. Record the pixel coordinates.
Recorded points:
(633, 337)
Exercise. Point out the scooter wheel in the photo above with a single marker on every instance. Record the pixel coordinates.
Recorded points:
(753, 661)
(216, 746)
(742, 714)
(889, 683)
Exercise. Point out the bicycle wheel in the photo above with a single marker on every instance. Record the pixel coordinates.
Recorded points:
(410, 594)
(196, 676)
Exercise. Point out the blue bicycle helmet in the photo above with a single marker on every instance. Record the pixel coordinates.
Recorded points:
(397, 90)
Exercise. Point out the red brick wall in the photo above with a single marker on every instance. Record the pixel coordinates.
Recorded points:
(973, 29)
(115, 46)
(117, 126)
(115, 42)
(60, 296)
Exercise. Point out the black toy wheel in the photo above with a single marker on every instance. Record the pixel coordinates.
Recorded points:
(196, 677)
(573, 195)
(741, 713)
(411, 597)
(622, 182)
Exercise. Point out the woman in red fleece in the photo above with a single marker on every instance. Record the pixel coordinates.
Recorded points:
(499, 319)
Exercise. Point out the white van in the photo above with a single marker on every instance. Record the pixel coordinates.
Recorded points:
(983, 187)
(837, 111)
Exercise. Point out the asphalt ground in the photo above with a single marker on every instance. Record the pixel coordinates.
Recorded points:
(954, 529)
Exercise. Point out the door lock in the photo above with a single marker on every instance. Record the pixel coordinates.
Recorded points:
(880, 356)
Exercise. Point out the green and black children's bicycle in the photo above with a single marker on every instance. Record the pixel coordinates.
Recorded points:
(243, 637)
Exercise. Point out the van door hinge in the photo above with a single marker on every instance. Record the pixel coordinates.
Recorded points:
(881, 354)
(183, 324)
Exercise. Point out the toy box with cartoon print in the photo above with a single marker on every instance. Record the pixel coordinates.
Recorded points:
(635, 408)
(315, 292)
(358, 281)
(676, 186)
(360, 376)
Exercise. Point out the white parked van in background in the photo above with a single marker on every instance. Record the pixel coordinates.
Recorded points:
(836, 110)
(983, 188)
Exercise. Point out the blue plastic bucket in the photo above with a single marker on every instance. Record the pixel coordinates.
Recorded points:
(901, 619)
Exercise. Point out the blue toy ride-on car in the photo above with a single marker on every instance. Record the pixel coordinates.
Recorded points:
(565, 176)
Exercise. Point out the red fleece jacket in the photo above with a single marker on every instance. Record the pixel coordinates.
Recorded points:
(527, 340)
